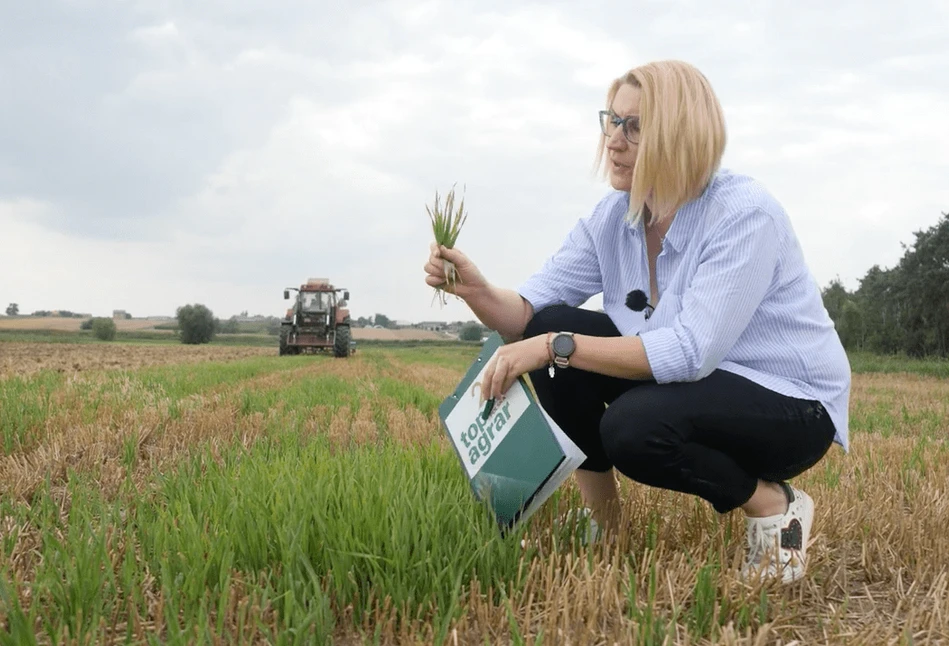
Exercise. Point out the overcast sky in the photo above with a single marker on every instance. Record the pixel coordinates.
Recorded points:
(161, 152)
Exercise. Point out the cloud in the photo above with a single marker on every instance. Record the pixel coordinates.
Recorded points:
(217, 152)
(156, 36)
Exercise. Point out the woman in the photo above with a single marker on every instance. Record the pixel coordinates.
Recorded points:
(731, 379)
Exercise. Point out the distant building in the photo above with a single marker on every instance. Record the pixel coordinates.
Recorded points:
(119, 314)
(402, 324)
(432, 326)
(455, 327)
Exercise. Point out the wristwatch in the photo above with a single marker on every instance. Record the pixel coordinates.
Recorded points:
(562, 346)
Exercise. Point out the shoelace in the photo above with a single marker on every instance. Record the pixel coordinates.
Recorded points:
(759, 542)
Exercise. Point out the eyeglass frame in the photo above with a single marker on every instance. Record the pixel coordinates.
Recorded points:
(616, 121)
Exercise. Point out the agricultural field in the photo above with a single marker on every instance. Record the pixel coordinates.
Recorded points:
(20, 359)
(160, 328)
(180, 495)
(70, 324)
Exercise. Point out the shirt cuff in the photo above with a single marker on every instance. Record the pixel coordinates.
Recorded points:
(538, 297)
(665, 356)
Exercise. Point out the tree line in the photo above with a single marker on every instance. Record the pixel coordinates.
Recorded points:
(13, 309)
(901, 310)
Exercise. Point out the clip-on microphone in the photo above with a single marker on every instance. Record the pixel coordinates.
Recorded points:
(636, 300)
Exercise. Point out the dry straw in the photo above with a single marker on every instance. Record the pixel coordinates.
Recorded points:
(446, 225)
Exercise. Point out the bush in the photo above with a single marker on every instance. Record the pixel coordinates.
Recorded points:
(86, 325)
(103, 329)
(230, 326)
(196, 324)
(471, 332)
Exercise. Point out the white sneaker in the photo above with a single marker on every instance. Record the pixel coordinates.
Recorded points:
(777, 545)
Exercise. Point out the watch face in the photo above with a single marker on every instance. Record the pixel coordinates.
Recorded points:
(563, 345)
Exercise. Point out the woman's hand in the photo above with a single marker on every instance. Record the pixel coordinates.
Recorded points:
(470, 280)
(501, 310)
(510, 362)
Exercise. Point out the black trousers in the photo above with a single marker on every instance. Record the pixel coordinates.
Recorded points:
(713, 438)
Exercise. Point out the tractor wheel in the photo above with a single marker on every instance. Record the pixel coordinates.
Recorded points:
(341, 342)
(284, 339)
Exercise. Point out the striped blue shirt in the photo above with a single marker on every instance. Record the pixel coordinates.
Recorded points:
(734, 293)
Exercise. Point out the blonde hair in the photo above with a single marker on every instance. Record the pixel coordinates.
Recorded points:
(682, 136)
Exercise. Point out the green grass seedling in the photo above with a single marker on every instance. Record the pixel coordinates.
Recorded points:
(446, 225)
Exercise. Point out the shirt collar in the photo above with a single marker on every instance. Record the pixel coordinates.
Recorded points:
(686, 220)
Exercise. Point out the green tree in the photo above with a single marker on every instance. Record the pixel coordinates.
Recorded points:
(103, 329)
(13, 309)
(471, 332)
(925, 286)
(230, 326)
(383, 320)
(835, 296)
(852, 327)
(196, 324)
(881, 301)
(903, 309)
(847, 316)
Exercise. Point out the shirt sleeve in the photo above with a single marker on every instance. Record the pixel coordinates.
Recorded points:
(571, 276)
(734, 273)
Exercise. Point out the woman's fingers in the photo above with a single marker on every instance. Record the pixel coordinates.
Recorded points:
(506, 384)
(434, 269)
(452, 255)
(434, 258)
(486, 379)
(499, 377)
(496, 377)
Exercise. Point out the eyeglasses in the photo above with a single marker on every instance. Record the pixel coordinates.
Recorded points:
(630, 124)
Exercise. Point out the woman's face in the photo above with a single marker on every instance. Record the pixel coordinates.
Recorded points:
(621, 151)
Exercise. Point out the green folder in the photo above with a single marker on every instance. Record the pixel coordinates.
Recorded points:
(518, 456)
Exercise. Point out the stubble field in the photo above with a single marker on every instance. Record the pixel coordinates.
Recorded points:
(62, 325)
(165, 494)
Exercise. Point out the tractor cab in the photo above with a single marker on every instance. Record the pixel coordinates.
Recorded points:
(318, 301)
(318, 321)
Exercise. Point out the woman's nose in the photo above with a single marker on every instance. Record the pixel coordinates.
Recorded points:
(616, 141)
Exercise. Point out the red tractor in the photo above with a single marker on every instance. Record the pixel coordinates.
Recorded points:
(318, 320)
